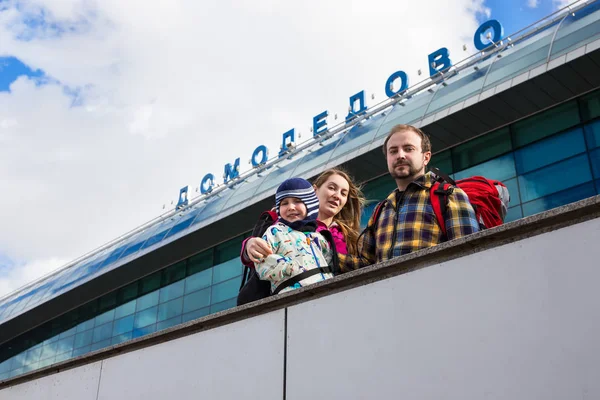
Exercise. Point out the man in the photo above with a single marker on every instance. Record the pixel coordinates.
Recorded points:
(406, 221)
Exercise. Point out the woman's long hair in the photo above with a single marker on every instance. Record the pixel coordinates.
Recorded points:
(349, 216)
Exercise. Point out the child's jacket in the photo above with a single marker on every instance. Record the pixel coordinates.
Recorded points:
(294, 252)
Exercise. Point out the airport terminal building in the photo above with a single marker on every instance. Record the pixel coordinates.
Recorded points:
(525, 111)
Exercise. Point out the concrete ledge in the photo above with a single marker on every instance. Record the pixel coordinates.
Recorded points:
(531, 226)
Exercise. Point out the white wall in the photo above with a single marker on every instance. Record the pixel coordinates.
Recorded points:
(520, 321)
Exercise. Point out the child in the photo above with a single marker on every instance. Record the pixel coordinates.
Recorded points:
(300, 255)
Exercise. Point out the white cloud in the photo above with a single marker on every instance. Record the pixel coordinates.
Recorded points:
(171, 90)
(23, 274)
(533, 3)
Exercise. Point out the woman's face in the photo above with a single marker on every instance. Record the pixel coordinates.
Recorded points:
(333, 195)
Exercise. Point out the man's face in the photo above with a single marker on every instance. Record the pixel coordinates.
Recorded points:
(405, 158)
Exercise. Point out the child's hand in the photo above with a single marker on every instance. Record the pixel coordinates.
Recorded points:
(257, 249)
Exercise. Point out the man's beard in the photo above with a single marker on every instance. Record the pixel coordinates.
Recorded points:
(409, 172)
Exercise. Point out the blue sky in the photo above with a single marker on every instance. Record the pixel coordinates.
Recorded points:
(517, 14)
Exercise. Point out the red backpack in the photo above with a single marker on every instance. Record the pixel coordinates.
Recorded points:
(489, 198)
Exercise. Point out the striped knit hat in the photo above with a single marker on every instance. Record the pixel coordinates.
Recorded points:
(301, 189)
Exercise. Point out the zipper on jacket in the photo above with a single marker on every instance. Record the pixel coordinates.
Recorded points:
(310, 242)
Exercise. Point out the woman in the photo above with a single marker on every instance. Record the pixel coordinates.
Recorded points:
(340, 203)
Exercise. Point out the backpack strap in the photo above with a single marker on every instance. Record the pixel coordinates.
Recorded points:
(439, 197)
(303, 275)
(335, 261)
(377, 211)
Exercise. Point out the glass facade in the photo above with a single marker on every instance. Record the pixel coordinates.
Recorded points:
(547, 160)
(200, 285)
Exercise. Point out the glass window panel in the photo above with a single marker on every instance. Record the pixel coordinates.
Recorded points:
(33, 355)
(70, 332)
(545, 124)
(410, 113)
(149, 300)
(549, 150)
(513, 191)
(592, 134)
(501, 169)
(513, 214)
(379, 188)
(480, 149)
(590, 106)
(4, 375)
(128, 292)
(559, 199)
(159, 235)
(123, 325)
(461, 86)
(527, 55)
(88, 311)
(102, 332)
(86, 325)
(198, 281)
(63, 356)
(47, 362)
(145, 318)
(174, 273)
(65, 345)
(108, 301)
(19, 360)
(595, 160)
(228, 250)
(226, 290)
(366, 214)
(84, 338)
(200, 262)
(122, 338)
(125, 309)
(5, 366)
(203, 312)
(223, 305)
(52, 339)
(150, 283)
(82, 350)
(17, 372)
(183, 223)
(104, 318)
(170, 309)
(442, 161)
(31, 367)
(227, 270)
(196, 300)
(49, 351)
(555, 178)
(357, 136)
(144, 331)
(168, 323)
(172, 291)
(214, 204)
(100, 345)
(575, 31)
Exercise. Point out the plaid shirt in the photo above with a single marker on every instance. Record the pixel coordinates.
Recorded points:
(407, 223)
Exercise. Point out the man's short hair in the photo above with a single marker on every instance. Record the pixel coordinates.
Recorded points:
(425, 142)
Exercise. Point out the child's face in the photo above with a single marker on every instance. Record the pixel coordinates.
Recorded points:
(292, 209)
